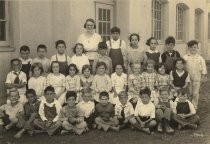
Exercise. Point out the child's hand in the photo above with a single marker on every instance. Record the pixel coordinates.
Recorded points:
(48, 123)
(181, 115)
(142, 124)
(125, 121)
(204, 78)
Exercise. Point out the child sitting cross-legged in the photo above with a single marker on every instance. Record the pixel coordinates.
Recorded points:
(104, 112)
(72, 119)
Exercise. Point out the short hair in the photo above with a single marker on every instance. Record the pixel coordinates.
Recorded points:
(122, 92)
(102, 45)
(149, 61)
(191, 43)
(53, 62)
(41, 46)
(104, 93)
(146, 90)
(39, 65)
(179, 59)
(60, 42)
(134, 34)
(71, 94)
(101, 64)
(150, 39)
(86, 90)
(84, 67)
(74, 66)
(24, 48)
(90, 20)
(161, 65)
(183, 91)
(169, 40)
(123, 67)
(13, 90)
(165, 88)
(31, 91)
(115, 29)
(15, 59)
(49, 88)
(78, 44)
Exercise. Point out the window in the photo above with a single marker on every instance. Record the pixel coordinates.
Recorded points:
(209, 26)
(157, 19)
(198, 21)
(3, 23)
(104, 19)
(180, 21)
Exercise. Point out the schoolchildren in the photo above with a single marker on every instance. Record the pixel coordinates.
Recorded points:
(101, 81)
(49, 111)
(58, 81)
(31, 109)
(163, 79)
(196, 66)
(103, 57)
(117, 48)
(73, 80)
(119, 81)
(164, 111)
(17, 79)
(185, 112)
(86, 78)
(11, 113)
(104, 112)
(145, 112)
(41, 58)
(170, 55)
(61, 57)
(179, 77)
(79, 58)
(37, 81)
(135, 53)
(124, 111)
(135, 83)
(70, 116)
(25, 60)
(87, 106)
(152, 53)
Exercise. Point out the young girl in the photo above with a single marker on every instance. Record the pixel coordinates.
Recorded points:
(61, 57)
(86, 78)
(37, 82)
(57, 80)
(152, 53)
(163, 79)
(101, 81)
(135, 83)
(73, 80)
(79, 59)
(135, 53)
(119, 81)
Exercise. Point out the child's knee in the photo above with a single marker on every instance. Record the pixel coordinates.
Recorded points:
(81, 125)
(133, 120)
(152, 123)
(65, 123)
(14, 120)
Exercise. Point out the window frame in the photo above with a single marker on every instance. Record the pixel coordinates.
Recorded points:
(198, 23)
(180, 15)
(209, 26)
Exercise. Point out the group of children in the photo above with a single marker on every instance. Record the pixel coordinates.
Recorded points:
(124, 87)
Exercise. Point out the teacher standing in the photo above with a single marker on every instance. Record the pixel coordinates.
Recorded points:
(90, 39)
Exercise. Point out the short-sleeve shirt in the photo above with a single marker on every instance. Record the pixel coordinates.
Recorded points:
(10, 110)
(38, 84)
(128, 109)
(119, 81)
(145, 110)
(80, 61)
(73, 83)
(86, 107)
(45, 63)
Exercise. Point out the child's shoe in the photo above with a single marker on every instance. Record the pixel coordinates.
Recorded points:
(193, 126)
(169, 130)
(179, 127)
(64, 132)
(146, 130)
(160, 128)
(116, 129)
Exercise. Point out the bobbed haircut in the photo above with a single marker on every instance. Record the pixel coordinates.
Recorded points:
(60, 42)
(90, 20)
(24, 48)
(78, 44)
(39, 65)
(115, 29)
(71, 94)
(146, 90)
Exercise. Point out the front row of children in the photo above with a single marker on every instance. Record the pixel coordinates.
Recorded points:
(49, 116)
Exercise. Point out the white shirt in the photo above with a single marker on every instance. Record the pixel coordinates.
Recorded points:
(128, 109)
(119, 81)
(90, 44)
(87, 107)
(145, 110)
(80, 61)
(11, 77)
(116, 44)
(45, 63)
(61, 58)
(38, 84)
(10, 110)
(191, 106)
(29, 60)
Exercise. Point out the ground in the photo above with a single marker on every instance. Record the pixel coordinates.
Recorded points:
(128, 136)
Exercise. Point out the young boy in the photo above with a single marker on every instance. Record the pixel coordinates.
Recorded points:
(196, 66)
(145, 112)
(164, 111)
(30, 113)
(26, 61)
(72, 119)
(49, 111)
(124, 111)
(102, 57)
(41, 58)
(170, 55)
(17, 79)
(117, 48)
(11, 113)
(87, 107)
(104, 112)
(184, 112)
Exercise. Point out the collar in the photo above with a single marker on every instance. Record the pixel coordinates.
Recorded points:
(16, 72)
(150, 51)
(180, 72)
(115, 41)
(196, 55)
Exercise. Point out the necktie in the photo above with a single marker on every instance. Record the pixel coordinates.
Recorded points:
(17, 79)
(123, 112)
